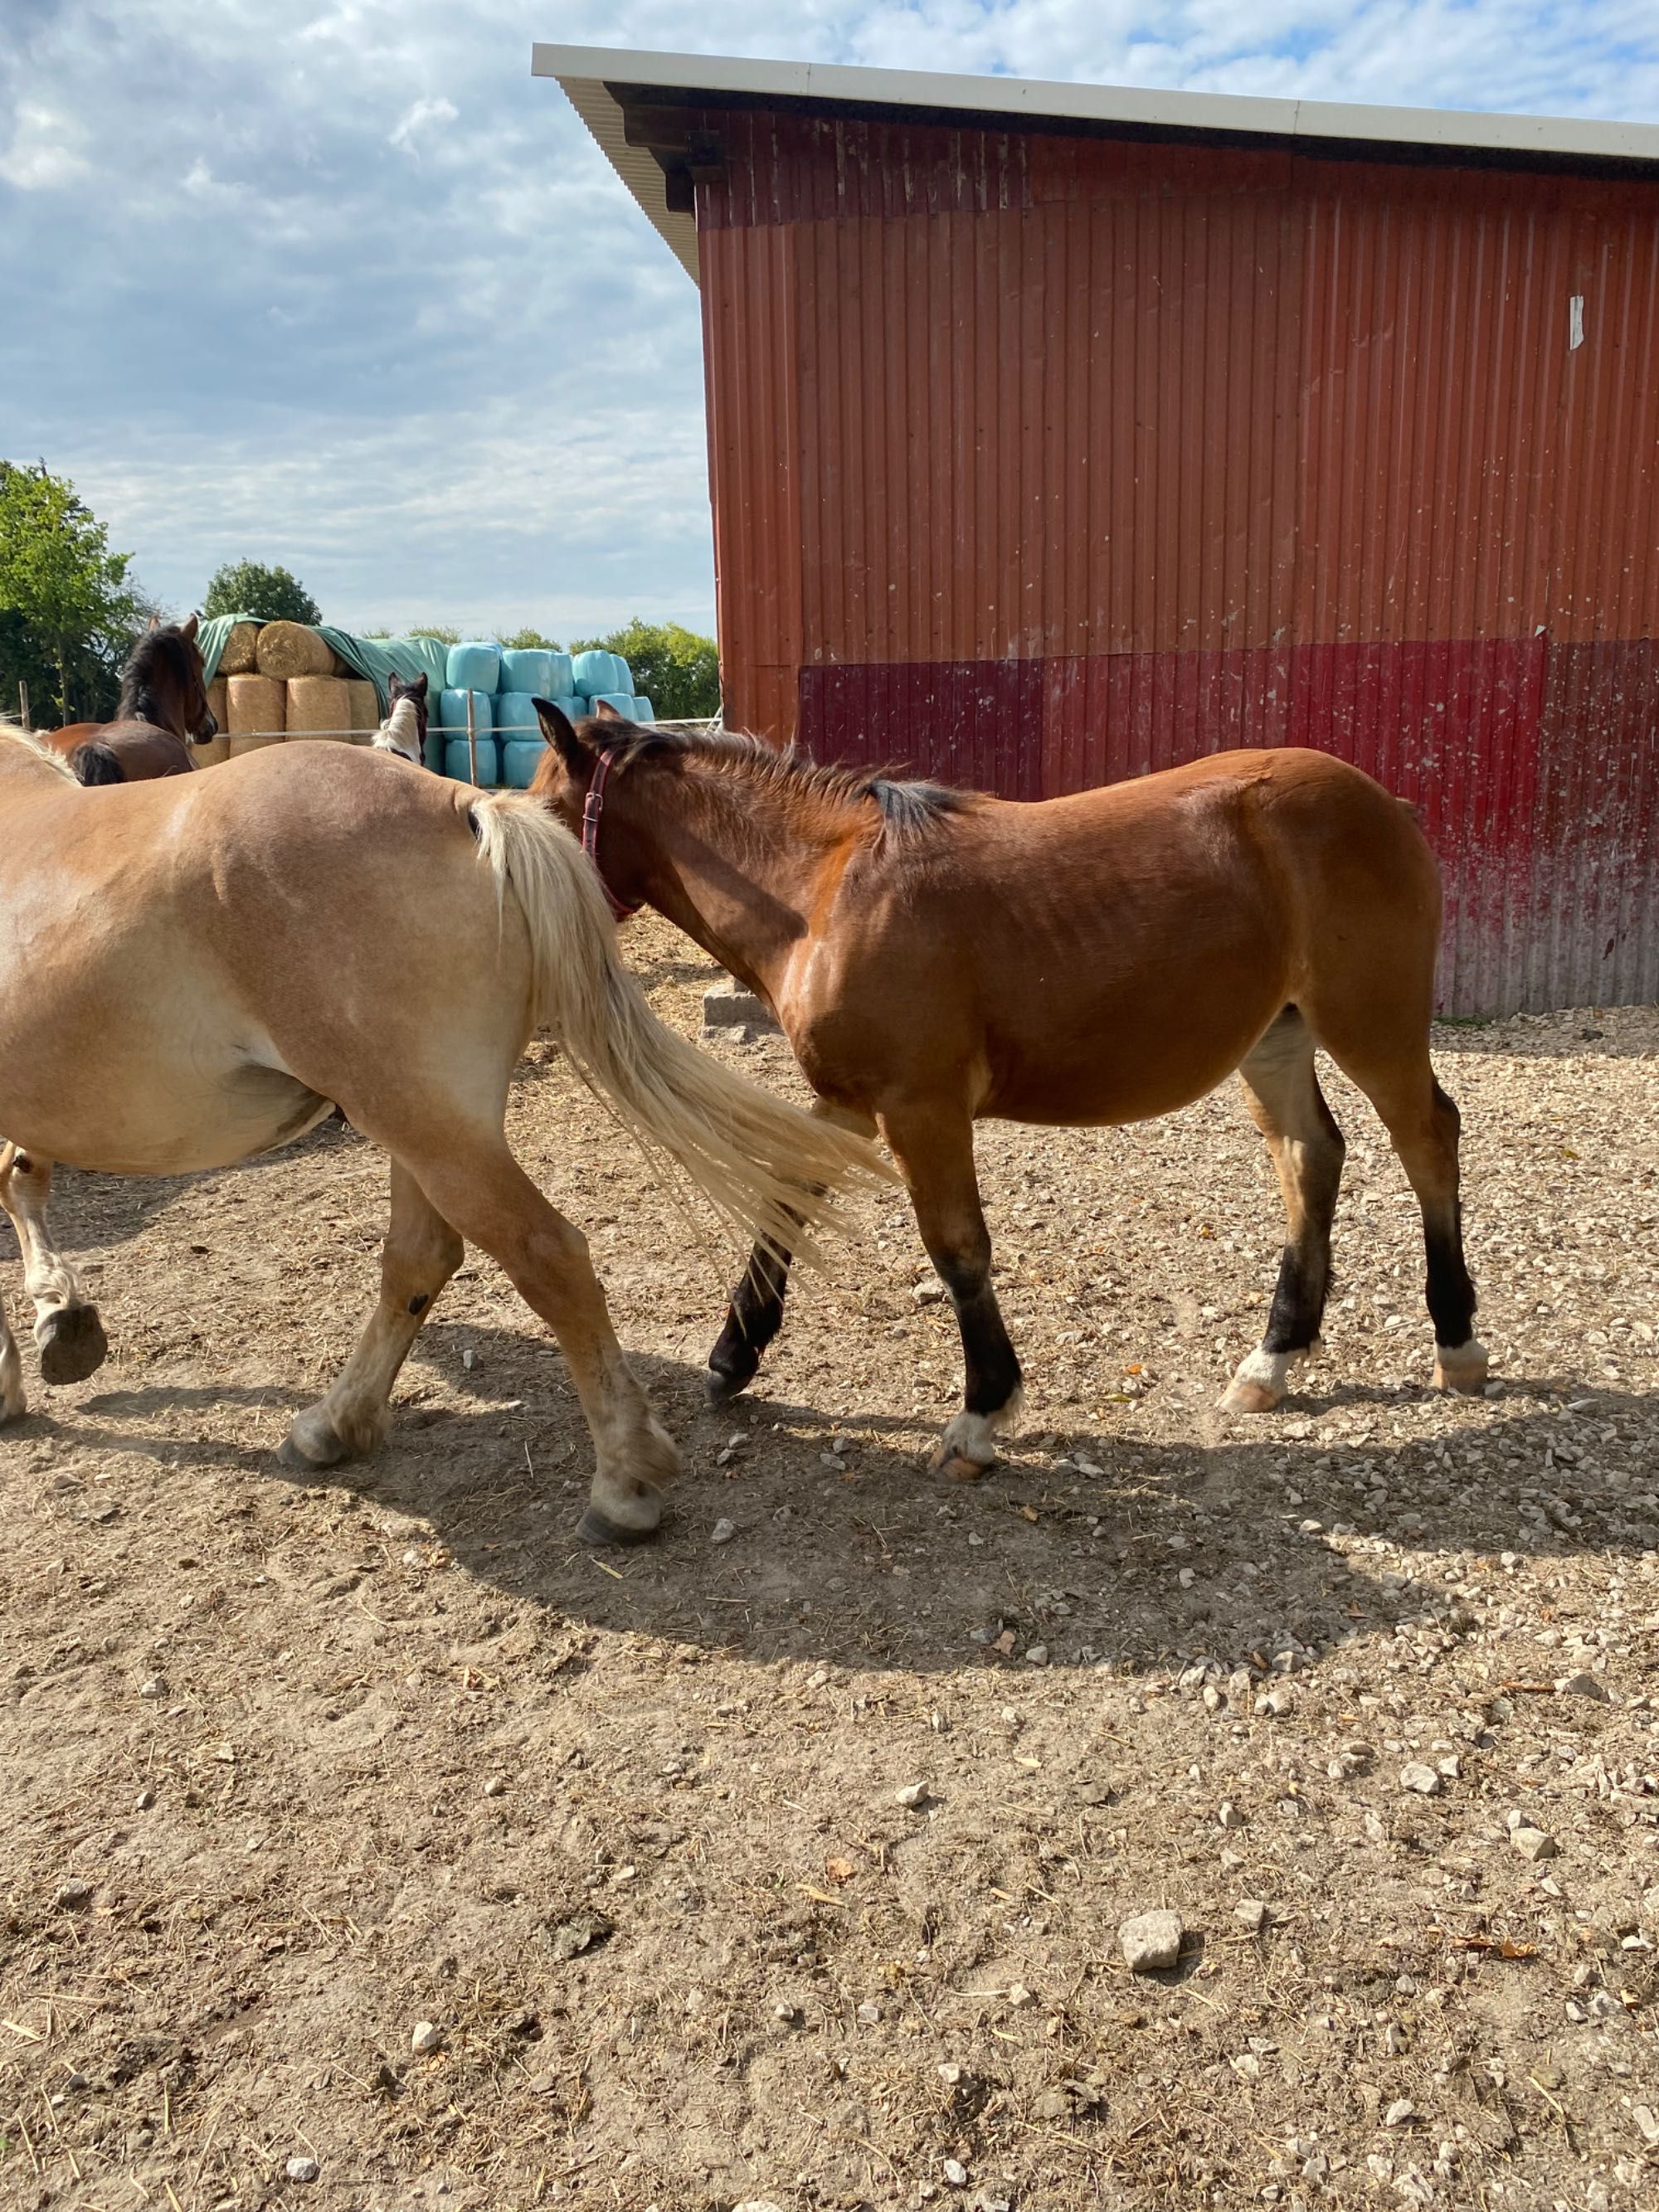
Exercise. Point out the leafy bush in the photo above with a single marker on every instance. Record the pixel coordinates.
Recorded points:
(69, 611)
(250, 587)
(679, 671)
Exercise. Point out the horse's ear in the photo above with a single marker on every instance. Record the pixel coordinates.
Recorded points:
(155, 622)
(562, 737)
(605, 712)
(188, 629)
(417, 689)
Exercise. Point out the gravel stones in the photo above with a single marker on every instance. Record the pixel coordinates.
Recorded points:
(425, 2039)
(1535, 1843)
(302, 2169)
(1414, 1775)
(1150, 1942)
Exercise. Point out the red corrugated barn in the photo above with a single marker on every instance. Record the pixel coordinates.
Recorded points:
(1058, 433)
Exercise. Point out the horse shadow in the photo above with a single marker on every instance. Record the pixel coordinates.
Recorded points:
(1097, 1549)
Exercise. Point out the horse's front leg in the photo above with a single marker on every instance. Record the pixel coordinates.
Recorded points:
(66, 1325)
(934, 1148)
(754, 1313)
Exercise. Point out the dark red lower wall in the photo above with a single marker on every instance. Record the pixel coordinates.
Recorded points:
(1534, 766)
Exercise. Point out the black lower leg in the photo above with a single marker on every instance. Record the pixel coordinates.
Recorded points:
(752, 1319)
(991, 1373)
(1304, 1266)
(1449, 1291)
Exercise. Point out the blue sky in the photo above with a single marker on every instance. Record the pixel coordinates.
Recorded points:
(339, 285)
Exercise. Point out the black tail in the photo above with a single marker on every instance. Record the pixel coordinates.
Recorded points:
(96, 763)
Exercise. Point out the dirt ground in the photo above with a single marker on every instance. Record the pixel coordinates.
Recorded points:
(295, 1769)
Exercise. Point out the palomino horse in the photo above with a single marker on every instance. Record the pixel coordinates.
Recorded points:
(935, 955)
(403, 731)
(163, 703)
(313, 926)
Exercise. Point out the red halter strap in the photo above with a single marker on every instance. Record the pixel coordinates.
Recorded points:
(592, 807)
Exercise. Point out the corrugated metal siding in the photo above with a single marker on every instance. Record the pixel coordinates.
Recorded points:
(1040, 462)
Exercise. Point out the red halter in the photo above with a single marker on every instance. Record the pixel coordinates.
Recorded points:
(592, 807)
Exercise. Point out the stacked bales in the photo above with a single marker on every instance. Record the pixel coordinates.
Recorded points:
(257, 711)
(240, 648)
(362, 709)
(287, 649)
(460, 754)
(317, 707)
(621, 703)
(643, 709)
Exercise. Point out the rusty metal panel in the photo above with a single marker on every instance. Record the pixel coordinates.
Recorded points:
(1041, 461)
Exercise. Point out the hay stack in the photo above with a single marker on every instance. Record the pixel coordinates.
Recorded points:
(363, 708)
(249, 744)
(288, 650)
(317, 707)
(219, 702)
(215, 750)
(257, 706)
(238, 658)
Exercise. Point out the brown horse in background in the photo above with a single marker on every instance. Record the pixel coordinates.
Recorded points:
(937, 957)
(163, 704)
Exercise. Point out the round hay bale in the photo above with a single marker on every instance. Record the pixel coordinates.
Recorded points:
(215, 750)
(363, 706)
(219, 702)
(289, 649)
(240, 745)
(241, 646)
(258, 706)
(317, 707)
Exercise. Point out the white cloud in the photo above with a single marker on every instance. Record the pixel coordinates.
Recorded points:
(425, 114)
(44, 151)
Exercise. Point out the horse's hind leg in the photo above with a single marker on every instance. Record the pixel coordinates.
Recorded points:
(67, 1327)
(935, 1150)
(479, 1186)
(1423, 1124)
(422, 1253)
(754, 1313)
(1282, 1091)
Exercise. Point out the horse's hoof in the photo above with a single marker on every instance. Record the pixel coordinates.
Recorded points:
(1249, 1398)
(598, 1530)
(956, 1467)
(321, 1449)
(72, 1343)
(1462, 1368)
(722, 1389)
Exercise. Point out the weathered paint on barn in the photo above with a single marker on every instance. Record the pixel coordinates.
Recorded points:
(1040, 460)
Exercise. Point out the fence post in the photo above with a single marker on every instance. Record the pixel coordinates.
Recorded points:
(472, 740)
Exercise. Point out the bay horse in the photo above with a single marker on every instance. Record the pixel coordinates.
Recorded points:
(163, 704)
(315, 927)
(938, 956)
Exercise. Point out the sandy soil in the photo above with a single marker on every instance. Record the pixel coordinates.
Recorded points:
(293, 1769)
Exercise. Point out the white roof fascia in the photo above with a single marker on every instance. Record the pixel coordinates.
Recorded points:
(587, 72)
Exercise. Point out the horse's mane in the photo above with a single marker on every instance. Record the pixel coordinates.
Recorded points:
(167, 640)
(907, 807)
(38, 746)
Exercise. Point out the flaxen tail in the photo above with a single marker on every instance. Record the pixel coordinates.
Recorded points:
(764, 1165)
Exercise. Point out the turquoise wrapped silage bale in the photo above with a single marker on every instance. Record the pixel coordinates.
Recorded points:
(622, 700)
(574, 707)
(457, 765)
(515, 715)
(475, 667)
(452, 711)
(643, 710)
(597, 670)
(521, 758)
(432, 753)
(529, 668)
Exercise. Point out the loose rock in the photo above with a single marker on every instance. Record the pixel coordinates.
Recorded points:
(303, 2169)
(1150, 1942)
(425, 2039)
(1534, 1844)
(1414, 1775)
(724, 1531)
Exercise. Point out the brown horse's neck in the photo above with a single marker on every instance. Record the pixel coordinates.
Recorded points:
(738, 862)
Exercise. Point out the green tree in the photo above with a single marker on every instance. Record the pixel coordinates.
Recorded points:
(531, 640)
(679, 671)
(68, 611)
(250, 587)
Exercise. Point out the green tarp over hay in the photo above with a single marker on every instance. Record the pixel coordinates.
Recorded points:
(378, 658)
